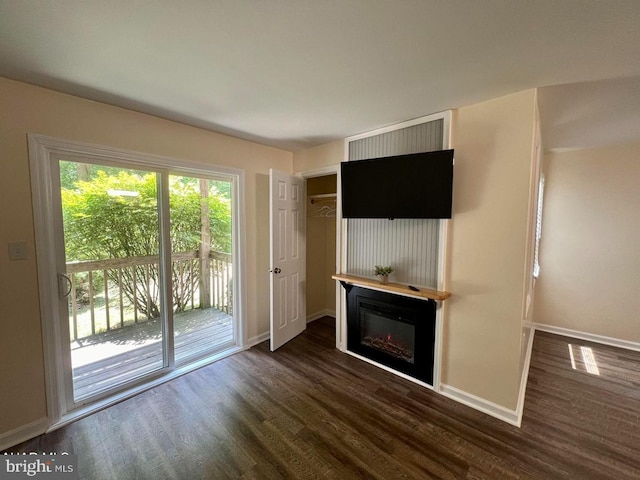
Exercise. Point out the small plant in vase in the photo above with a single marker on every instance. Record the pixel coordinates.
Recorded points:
(383, 273)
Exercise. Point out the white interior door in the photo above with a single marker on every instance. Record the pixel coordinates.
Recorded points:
(287, 227)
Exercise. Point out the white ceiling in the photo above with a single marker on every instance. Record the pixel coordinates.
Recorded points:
(298, 73)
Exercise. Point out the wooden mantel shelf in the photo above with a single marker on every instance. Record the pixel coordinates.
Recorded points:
(391, 287)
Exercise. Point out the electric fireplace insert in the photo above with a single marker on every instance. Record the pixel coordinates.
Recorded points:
(393, 330)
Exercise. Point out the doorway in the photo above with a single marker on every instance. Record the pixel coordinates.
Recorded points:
(138, 261)
(321, 246)
(116, 280)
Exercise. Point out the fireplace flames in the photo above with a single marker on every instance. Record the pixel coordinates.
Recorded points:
(389, 346)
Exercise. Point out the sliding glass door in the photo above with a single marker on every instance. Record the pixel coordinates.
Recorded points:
(148, 272)
(201, 266)
(111, 244)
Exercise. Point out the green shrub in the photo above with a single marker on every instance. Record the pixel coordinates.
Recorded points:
(113, 214)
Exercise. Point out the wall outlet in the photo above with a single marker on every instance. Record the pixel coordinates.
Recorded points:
(18, 251)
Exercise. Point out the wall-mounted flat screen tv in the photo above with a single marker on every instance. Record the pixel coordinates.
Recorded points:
(418, 185)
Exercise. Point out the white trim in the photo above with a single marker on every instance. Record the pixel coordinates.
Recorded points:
(239, 239)
(437, 346)
(589, 337)
(524, 379)
(42, 191)
(322, 313)
(262, 337)
(477, 403)
(103, 403)
(164, 211)
(513, 417)
(443, 261)
(342, 232)
(445, 115)
(390, 370)
(23, 433)
(42, 149)
(98, 153)
(319, 172)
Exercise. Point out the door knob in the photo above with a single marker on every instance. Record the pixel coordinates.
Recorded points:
(275, 270)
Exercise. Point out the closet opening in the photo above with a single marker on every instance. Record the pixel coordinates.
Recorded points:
(321, 246)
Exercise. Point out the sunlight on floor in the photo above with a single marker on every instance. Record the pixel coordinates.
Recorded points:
(588, 359)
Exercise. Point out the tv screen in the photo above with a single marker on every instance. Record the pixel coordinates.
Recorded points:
(418, 185)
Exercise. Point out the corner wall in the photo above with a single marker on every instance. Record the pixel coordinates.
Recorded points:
(488, 248)
(28, 109)
(325, 155)
(590, 247)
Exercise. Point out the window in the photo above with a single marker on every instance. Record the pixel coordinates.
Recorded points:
(536, 254)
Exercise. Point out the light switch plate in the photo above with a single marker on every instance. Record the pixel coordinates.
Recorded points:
(18, 251)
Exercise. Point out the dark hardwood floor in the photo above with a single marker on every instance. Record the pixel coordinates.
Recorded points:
(309, 411)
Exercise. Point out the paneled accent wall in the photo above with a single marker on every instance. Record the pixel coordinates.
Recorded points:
(425, 137)
(410, 246)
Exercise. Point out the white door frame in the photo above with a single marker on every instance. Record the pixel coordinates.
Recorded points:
(340, 306)
(41, 150)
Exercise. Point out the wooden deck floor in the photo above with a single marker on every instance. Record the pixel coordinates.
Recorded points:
(124, 354)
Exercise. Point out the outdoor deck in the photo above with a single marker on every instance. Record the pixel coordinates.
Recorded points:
(120, 355)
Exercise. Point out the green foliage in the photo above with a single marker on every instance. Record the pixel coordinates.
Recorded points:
(101, 224)
(187, 204)
(113, 213)
(379, 270)
(72, 172)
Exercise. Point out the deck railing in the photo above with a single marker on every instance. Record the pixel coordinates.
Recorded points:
(110, 294)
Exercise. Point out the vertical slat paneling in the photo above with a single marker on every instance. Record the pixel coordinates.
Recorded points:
(410, 246)
(425, 137)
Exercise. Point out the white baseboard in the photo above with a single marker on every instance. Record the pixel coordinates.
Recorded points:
(524, 379)
(322, 313)
(513, 417)
(258, 339)
(23, 433)
(589, 337)
(477, 403)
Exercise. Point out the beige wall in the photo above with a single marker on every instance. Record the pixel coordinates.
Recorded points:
(488, 247)
(28, 109)
(328, 154)
(590, 248)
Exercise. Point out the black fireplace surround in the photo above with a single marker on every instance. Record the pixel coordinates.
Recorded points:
(392, 330)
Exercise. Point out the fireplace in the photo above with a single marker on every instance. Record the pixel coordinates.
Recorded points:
(392, 330)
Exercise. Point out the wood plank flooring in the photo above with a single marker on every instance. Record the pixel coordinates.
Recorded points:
(309, 411)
